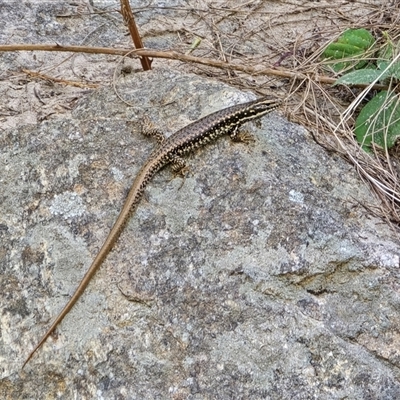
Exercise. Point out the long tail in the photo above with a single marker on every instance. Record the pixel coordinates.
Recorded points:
(133, 199)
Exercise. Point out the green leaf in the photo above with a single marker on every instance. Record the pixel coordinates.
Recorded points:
(348, 49)
(382, 64)
(357, 37)
(386, 55)
(338, 51)
(386, 51)
(379, 121)
(393, 71)
(361, 76)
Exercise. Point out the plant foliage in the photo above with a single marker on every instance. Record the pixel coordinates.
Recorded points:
(349, 48)
(379, 120)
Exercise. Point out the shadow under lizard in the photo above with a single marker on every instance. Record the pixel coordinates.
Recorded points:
(169, 151)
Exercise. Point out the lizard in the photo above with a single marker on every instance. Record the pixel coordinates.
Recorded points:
(169, 151)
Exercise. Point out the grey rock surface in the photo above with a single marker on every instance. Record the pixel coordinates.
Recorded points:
(258, 277)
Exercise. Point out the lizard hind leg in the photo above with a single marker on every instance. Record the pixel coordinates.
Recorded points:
(179, 168)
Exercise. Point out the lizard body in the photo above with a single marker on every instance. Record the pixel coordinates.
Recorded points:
(169, 151)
